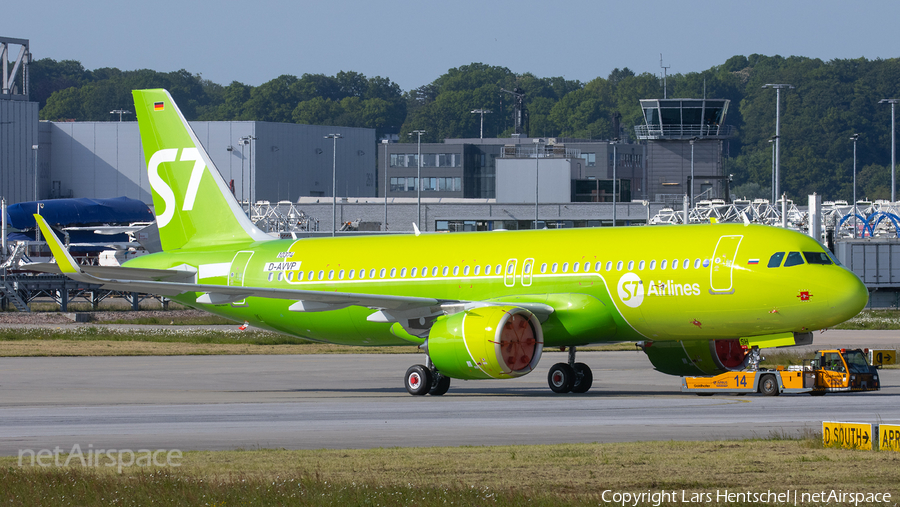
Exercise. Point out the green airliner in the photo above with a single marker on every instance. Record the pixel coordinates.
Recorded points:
(479, 305)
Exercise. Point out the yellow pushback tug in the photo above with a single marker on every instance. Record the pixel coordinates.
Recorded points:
(831, 370)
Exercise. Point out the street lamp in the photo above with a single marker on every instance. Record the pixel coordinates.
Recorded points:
(691, 185)
(120, 112)
(614, 142)
(334, 138)
(418, 177)
(778, 88)
(385, 142)
(854, 138)
(892, 102)
(537, 173)
(482, 112)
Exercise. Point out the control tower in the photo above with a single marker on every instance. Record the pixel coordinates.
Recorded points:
(677, 132)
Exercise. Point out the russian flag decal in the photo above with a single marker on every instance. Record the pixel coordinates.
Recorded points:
(753, 261)
(159, 106)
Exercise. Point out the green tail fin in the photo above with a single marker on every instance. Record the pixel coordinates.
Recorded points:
(193, 205)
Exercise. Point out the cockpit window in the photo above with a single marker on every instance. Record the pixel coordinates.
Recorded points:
(775, 260)
(817, 258)
(833, 258)
(793, 259)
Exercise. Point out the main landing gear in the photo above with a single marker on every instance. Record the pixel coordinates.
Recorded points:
(421, 380)
(570, 377)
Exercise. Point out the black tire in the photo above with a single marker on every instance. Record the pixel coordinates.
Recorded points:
(817, 393)
(418, 380)
(440, 384)
(768, 385)
(561, 377)
(584, 378)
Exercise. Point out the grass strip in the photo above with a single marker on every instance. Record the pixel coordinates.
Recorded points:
(566, 474)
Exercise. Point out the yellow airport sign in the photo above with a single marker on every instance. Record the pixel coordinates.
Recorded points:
(882, 357)
(889, 437)
(848, 435)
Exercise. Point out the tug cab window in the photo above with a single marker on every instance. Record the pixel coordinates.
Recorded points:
(775, 259)
(793, 259)
(817, 258)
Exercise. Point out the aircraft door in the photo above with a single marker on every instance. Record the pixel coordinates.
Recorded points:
(527, 269)
(509, 276)
(722, 265)
(237, 271)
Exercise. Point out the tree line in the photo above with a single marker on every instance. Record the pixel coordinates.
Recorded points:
(830, 101)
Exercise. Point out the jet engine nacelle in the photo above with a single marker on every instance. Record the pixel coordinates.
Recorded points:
(486, 342)
(696, 357)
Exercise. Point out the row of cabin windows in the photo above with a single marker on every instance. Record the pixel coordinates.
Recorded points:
(487, 270)
(641, 265)
(796, 259)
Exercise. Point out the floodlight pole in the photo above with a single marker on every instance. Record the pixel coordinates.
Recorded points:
(778, 88)
(537, 174)
(418, 177)
(614, 142)
(334, 138)
(854, 138)
(385, 142)
(892, 102)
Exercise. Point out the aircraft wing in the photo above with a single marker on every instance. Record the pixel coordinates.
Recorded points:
(177, 274)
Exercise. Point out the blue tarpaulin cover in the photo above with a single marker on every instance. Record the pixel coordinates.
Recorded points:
(82, 211)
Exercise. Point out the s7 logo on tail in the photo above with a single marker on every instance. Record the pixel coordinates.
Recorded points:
(164, 190)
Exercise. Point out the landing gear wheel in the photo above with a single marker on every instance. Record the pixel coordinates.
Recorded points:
(583, 378)
(418, 380)
(440, 385)
(561, 377)
(768, 385)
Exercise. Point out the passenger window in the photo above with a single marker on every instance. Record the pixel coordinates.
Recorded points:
(696, 263)
(619, 266)
(271, 274)
(382, 273)
(455, 270)
(598, 266)
(280, 274)
(412, 273)
(662, 265)
(498, 270)
(372, 273)
(299, 276)
(575, 267)
(477, 270)
(544, 267)
(525, 270)
(466, 271)
(424, 271)
(687, 263)
(641, 265)
(510, 269)
(817, 258)
(362, 274)
(434, 271)
(652, 265)
(393, 272)
(587, 266)
(321, 275)
(445, 271)
(609, 265)
(402, 273)
(487, 269)
(630, 265)
(674, 263)
(312, 275)
(341, 274)
(553, 267)
(775, 259)
(793, 259)
(351, 273)
(565, 268)
(331, 274)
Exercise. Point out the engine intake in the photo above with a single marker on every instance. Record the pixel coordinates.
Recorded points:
(486, 342)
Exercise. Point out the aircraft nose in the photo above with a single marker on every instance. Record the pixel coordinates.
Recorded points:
(849, 295)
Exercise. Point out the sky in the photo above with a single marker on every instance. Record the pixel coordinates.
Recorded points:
(414, 43)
